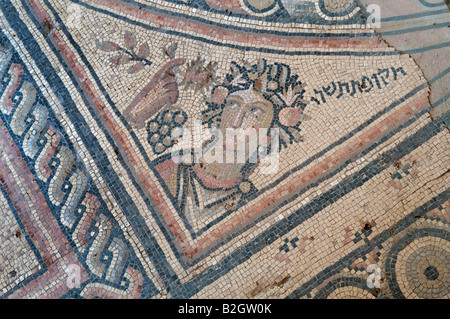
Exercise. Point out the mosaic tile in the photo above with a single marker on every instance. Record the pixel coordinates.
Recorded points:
(119, 180)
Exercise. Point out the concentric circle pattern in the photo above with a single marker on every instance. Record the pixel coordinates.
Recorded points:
(420, 264)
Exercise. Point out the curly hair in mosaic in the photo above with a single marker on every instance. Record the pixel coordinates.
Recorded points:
(276, 83)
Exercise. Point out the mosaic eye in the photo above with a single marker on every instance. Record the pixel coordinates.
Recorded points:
(256, 112)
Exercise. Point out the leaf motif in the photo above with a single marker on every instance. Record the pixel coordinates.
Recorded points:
(283, 76)
(299, 87)
(261, 83)
(136, 68)
(171, 51)
(130, 40)
(261, 66)
(290, 97)
(107, 46)
(120, 59)
(168, 53)
(126, 59)
(238, 80)
(115, 60)
(248, 66)
(144, 51)
(173, 48)
(296, 134)
(235, 71)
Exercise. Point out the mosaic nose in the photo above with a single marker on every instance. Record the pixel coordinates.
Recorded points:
(238, 118)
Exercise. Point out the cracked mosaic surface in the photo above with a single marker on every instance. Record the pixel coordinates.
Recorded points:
(100, 197)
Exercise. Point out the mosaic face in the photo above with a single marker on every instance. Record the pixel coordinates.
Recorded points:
(246, 109)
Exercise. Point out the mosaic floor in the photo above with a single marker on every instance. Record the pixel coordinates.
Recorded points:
(346, 194)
